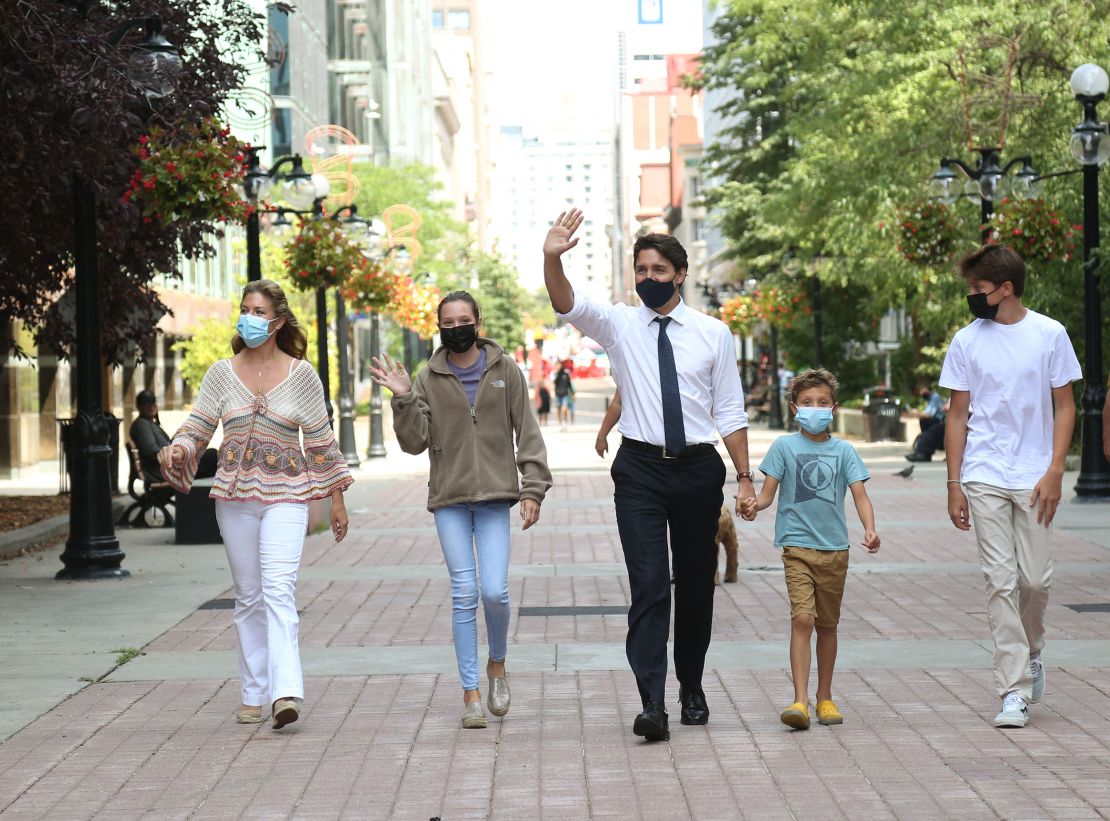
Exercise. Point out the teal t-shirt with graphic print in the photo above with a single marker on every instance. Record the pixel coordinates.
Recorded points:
(813, 480)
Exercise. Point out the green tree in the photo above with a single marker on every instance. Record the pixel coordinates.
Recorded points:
(839, 112)
(502, 300)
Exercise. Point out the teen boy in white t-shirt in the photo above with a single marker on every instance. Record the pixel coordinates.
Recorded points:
(1009, 425)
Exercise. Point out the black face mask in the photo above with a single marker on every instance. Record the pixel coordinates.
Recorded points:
(460, 338)
(655, 294)
(980, 307)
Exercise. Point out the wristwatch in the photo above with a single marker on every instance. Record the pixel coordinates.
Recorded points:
(745, 474)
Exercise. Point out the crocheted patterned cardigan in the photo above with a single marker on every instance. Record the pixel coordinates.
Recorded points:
(261, 457)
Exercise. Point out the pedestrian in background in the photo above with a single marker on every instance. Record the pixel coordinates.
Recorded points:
(1014, 367)
(147, 435)
(564, 395)
(266, 397)
(816, 471)
(679, 388)
(466, 407)
(543, 402)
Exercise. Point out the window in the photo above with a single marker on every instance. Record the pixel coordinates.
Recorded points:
(701, 230)
(282, 132)
(458, 20)
(279, 51)
(437, 21)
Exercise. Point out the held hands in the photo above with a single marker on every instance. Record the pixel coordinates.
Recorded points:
(871, 541)
(529, 512)
(1046, 497)
(171, 456)
(746, 503)
(957, 507)
(390, 374)
(558, 240)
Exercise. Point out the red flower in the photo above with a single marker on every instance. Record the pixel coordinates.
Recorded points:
(143, 140)
(171, 166)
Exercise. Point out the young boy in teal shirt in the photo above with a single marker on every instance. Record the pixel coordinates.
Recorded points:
(815, 471)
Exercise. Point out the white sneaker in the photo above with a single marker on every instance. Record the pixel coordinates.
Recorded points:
(1014, 712)
(1036, 670)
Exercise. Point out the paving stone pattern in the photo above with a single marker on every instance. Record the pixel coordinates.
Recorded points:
(916, 743)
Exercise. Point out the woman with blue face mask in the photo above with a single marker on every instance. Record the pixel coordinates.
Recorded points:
(263, 486)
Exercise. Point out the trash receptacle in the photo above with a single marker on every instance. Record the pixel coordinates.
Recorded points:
(882, 414)
(195, 522)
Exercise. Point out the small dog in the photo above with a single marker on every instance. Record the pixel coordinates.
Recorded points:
(726, 537)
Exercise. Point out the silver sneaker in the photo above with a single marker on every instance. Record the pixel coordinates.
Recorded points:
(1036, 670)
(498, 699)
(473, 717)
(1014, 712)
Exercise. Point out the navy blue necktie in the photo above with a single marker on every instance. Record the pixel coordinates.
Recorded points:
(674, 431)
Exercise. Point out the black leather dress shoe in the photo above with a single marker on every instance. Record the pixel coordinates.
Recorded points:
(915, 456)
(652, 723)
(694, 708)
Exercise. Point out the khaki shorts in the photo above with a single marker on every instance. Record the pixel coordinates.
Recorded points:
(815, 582)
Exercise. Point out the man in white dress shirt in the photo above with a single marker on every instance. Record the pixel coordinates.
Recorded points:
(680, 387)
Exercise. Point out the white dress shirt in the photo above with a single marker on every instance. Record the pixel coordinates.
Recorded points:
(704, 356)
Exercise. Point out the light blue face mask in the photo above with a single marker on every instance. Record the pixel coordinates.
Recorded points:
(814, 420)
(254, 330)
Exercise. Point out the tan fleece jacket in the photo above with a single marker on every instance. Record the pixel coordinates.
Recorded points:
(472, 454)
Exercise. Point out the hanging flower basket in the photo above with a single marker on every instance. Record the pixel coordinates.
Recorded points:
(928, 233)
(740, 314)
(1034, 230)
(189, 173)
(370, 288)
(413, 306)
(778, 307)
(321, 256)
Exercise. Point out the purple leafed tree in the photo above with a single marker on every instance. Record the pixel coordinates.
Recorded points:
(72, 109)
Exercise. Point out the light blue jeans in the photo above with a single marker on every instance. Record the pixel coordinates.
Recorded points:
(481, 528)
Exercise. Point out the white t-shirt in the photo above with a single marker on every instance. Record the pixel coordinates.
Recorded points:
(1009, 371)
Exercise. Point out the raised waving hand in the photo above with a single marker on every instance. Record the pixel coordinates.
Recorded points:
(559, 237)
(390, 374)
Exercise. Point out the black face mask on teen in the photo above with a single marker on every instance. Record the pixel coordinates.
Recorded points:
(460, 338)
(655, 294)
(979, 306)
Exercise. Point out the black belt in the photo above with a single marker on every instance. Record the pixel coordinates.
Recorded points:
(660, 450)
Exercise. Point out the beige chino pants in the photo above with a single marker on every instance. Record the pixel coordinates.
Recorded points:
(1016, 559)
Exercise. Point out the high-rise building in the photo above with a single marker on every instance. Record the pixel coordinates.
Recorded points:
(658, 121)
(459, 45)
(532, 183)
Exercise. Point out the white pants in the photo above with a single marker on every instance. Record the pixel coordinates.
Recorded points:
(264, 543)
(1016, 558)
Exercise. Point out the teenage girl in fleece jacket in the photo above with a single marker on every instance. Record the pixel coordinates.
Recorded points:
(465, 408)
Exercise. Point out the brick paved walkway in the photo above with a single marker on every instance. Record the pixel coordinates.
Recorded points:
(380, 736)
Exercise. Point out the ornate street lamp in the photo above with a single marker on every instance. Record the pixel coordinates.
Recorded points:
(1090, 145)
(298, 188)
(377, 432)
(92, 550)
(986, 182)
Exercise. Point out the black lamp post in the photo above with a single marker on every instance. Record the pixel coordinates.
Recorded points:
(377, 433)
(92, 550)
(774, 419)
(985, 183)
(377, 449)
(1090, 144)
(298, 189)
(366, 234)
